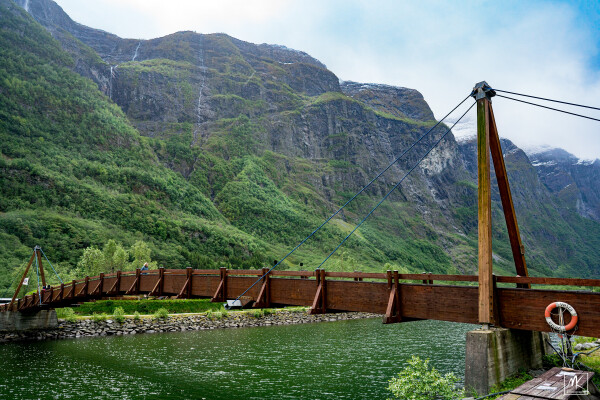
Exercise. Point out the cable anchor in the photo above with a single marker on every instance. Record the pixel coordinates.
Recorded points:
(483, 91)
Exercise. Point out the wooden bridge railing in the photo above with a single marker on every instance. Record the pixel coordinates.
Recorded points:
(325, 291)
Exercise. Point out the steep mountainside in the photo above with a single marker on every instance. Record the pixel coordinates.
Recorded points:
(575, 182)
(551, 232)
(222, 152)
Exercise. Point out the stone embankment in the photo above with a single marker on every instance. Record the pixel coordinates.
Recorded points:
(175, 323)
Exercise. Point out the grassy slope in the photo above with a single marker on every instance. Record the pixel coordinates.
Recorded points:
(76, 173)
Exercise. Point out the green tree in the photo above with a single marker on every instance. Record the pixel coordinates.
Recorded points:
(115, 256)
(141, 254)
(108, 253)
(120, 258)
(91, 262)
(417, 382)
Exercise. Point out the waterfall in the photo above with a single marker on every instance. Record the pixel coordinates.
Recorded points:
(136, 51)
(199, 118)
(26, 5)
(110, 80)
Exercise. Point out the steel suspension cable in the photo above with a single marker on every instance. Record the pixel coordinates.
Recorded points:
(55, 273)
(549, 108)
(355, 196)
(395, 187)
(547, 99)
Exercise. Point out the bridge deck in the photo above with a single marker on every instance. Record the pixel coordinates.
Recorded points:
(390, 294)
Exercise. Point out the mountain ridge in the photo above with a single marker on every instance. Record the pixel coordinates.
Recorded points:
(269, 149)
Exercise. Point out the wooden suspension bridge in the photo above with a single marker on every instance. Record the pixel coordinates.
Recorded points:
(400, 297)
(479, 299)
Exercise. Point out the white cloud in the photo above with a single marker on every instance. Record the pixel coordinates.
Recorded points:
(438, 48)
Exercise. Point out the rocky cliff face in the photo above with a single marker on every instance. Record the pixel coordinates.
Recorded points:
(397, 101)
(575, 182)
(277, 143)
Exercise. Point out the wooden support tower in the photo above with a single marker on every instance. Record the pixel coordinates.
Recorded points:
(488, 141)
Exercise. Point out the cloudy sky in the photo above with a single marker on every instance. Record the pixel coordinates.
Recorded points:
(544, 48)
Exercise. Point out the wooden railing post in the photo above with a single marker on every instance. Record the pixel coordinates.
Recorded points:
(357, 278)
(186, 290)
(319, 305)
(117, 285)
(62, 291)
(221, 292)
(393, 312)
(158, 288)
(101, 284)
(190, 276)
(264, 296)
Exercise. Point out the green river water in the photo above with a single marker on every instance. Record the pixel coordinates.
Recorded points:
(330, 360)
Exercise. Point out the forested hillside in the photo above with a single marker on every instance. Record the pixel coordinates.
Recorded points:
(214, 152)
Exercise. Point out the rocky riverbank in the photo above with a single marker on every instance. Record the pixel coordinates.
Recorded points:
(176, 323)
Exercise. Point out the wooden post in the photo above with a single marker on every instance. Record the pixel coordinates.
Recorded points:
(21, 281)
(486, 291)
(393, 312)
(100, 286)
(158, 288)
(190, 275)
(357, 278)
(319, 304)
(86, 287)
(62, 291)
(264, 296)
(221, 292)
(116, 287)
(510, 217)
(136, 283)
(38, 252)
(186, 290)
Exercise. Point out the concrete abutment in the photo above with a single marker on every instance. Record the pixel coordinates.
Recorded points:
(492, 355)
(23, 321)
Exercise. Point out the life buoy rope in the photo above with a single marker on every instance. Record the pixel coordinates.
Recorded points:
(554, 325)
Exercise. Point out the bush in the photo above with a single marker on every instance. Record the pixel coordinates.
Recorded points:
(209, 314)
(257, 313)
(136, 316)
(146, 306)
(67, 314)
(99, 317)
(161, 313)
(418, 382)
(119, 315)
(224, 312)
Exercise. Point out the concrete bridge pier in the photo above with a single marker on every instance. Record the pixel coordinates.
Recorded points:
(492, 355)
(22, 321)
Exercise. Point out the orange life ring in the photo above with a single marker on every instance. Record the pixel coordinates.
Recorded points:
(554, 325)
